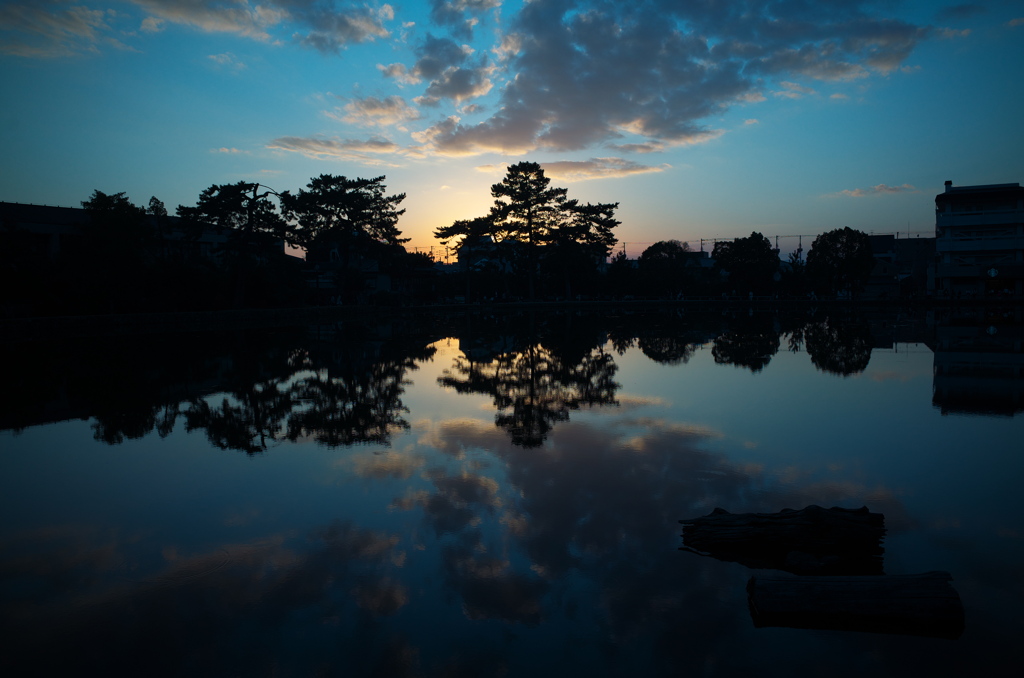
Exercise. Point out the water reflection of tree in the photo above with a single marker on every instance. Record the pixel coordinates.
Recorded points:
(257, 402)
(244, 392)
(841, 347)
(749, 342)
(535, 388)
(354, 401)
(666, 338)
(246, 422)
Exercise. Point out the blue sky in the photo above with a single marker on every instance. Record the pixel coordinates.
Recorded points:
(702, 119)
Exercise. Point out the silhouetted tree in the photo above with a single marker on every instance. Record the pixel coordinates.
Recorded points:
(344, 213)
(117, 228)
(750, 262)
(254, 225)
(623, 276)
(662, 266)
(111, 271)
(472, 240)
(577, 246)
(526, 210)
(343, 222)
(840, 261)
(794, 275)
(242, 209)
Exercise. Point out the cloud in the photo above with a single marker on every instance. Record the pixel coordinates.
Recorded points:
(572, 75)
(880, 189)
(51, 29)
(227, 60)
(645, 147)
(330, 31)
(376, 112)
(228, 151)
(54, 28)
(793, 90)
(457, 84)
(951, 33)
(317, 25)
(460, 16)
(1013, 23)
(212, 17)
(338, 149)
(400, 73)
(597, 168)
(960, 12)
(751, 121)
(445, 64)
(152, 25)
(500, 168)
(751, 98)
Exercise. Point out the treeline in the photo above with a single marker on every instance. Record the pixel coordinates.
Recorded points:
(228, 251)
(536, 242)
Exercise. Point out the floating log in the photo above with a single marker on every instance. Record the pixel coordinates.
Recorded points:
(813, 540)
(914, 604)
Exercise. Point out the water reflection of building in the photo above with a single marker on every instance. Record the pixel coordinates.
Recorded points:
(904, 268)
(978, 368)
(979, 232)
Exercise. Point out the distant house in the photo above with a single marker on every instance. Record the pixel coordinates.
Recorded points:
(979, 233)
(904, 268)
(42, 232)
(45, 233)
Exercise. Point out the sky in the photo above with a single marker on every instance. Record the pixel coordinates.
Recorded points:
(702, 119)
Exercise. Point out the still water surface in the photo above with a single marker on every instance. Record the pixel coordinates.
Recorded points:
(484, 495)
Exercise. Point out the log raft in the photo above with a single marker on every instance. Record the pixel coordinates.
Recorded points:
(809, 541)
(914, 604)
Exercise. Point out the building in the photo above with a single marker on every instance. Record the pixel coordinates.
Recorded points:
(979, 241)
(904, 268)
(46, 234)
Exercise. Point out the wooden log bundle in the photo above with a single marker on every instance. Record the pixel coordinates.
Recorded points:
(813, 540)
(915, 604)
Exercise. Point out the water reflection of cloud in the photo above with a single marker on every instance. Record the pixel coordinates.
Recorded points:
(381, 597)
(388, 464)
(87, 591)
(901, 377)
(490, 589)
(454, 437)
(628, 403)
(456, 502)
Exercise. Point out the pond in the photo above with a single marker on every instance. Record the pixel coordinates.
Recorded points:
(500, 494)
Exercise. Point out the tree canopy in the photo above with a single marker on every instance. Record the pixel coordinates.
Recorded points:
(535, 227)
(239, 207)
(840, 261)
(750, 262)
(665, 250)
(342, 210)
(526, 208)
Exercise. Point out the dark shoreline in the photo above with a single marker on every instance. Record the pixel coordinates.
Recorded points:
(51, 327)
